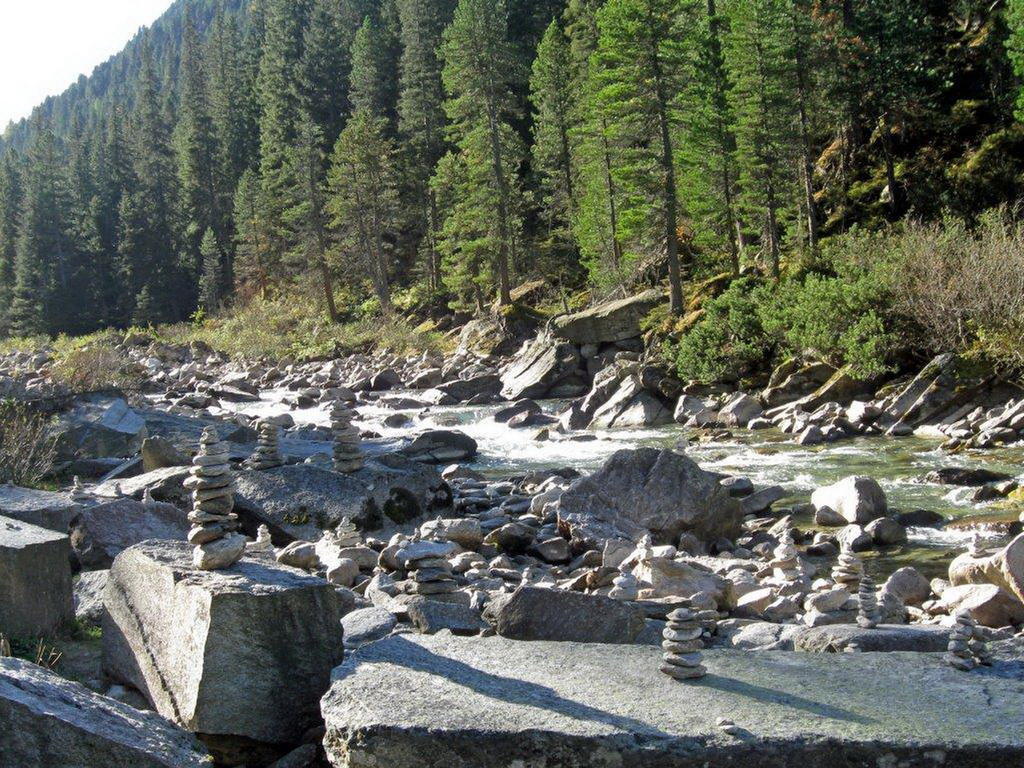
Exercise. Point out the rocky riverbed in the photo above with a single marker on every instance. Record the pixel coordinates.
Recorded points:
(566, 493)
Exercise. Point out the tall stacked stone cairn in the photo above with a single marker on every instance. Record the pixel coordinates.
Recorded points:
(216, 543)
(786, 562)
(848, 571)
(869, 615)
(682, 645)
(268, 449)
(348, 457)
(967, 647)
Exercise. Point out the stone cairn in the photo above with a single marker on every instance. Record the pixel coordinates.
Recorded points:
(848, 571)
(268, 449)
(967, 647)
(346, 534)
(262, 543)
(625, 586)
(78, 492)
(682, 645)
(786, 562)
(347, 456)
(213, 535)
(431, 576)
(869, 615)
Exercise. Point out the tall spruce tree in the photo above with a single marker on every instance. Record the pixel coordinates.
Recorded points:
(323, 70)
(480, 72)
(644, 67)
(1015, 47)
(257, 262)
(11, 194)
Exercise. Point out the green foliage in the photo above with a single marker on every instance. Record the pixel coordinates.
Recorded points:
(1015, 47)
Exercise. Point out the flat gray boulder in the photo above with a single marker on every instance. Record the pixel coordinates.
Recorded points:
(536, 613)
(47, 509)
(50, 722)
(300, 501)
(420, 701)
(240, 653)
(102, 531)
(539, 367)
(367, 625)
(885, 637)
(35, 580)
(609, 322)
(98, 427)
(647, 490)
(166, 484)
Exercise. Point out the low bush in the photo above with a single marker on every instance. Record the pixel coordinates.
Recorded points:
(27, 448)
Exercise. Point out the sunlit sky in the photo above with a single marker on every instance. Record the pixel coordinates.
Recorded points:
(46, 44)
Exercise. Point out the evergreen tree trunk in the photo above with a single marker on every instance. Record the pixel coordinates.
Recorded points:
(807, 166)
(613, 212)
(504, 230)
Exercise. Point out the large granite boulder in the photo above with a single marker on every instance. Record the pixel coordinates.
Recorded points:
(35, 580)
(47, 509)
(989, 605)
(300, 501)
(540, 366)
(50, 722)
(440, 446)
(856, 500)
(1005, 569)
(610, 322)
(537, 613)
(631, 406)
(647, 490)
(243, 653)
(883, 638)
(103, 530)
(165, 484)
(461, 390)
(99, 427)
(420, 701)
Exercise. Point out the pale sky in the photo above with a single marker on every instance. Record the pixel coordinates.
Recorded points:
(46, 44)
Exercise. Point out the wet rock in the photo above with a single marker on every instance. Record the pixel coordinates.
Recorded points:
(856, 499)
(464, 390)
(964, 476)
(541, 365)
(440, 446)
(631, 406)
(534, 613)
(885, 532)
(35, 581)
(50, 722)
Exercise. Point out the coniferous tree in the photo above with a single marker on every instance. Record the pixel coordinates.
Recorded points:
(644, 66)
(1015, 46)
(256, 260)
(232, 96)
(323, 70)
(211, 280)
(10, 217)
(480, 72)
(369, 88)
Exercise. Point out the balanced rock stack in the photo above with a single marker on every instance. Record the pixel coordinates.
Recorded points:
(262, 543)
(682, 645)
(268, 450)
(217, 545)
(347, 456)
(868, 614)
(625, 586)
(347, 534)
(848, 571)
(431, 575)
(967, 648)
(786, 562)
(78, 492)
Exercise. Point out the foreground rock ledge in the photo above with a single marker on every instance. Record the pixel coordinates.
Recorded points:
(418, 701)
(50, 721)
(244, 652)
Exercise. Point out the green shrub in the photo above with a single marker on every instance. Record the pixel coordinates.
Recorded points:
(27, 448)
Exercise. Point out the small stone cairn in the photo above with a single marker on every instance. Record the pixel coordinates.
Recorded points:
(78, 492)
(262, 543)
(432, 576)
(268, 449)
(625, 586)
(848, 571)
(869, 615)
(682, 645)
(348, 457)
(786, 562)
(967, 647)
(346, 534)
(213, 535)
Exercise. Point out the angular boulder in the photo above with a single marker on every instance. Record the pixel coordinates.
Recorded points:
(609, 322)
(243, 653)
(102, 531)
(988, 604)
(35, 580)
(539, 367)
(647, 490)
(631, 406)
(47, 509)
(441, 446)
(883, 638)
(856, 499)
(740, 411)
(1005, 569)
(100, 427)
(50, 722)
(536, 613)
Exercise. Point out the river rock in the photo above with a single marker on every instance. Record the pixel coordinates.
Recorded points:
(97, 427)
(244, 652)
(441, 446)
(987, 604)
(1005, 569)
(35, 580)
(631, 406)
(856, 499)
(886, 532)
(609, 322)
(536, 613)
(540, 366)
(102, 531)
(672, 578)
(420, 701)
(909, 585)
(50, 722)
(740, 410)
(964, 476)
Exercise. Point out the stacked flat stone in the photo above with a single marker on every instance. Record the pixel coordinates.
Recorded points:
(848, 571)
(214, 538)
(959, 653)
(431, 576)
(347, 455)
(682, 645)
(268, 449)
(625, 586)
(869, 615)
(786, 562)
(346, 534)
(78, 492)
(262, 543)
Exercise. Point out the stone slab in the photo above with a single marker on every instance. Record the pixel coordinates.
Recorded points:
(427, 700)
(885, 637)
(47, 509)
(35, 580)
(50, 722)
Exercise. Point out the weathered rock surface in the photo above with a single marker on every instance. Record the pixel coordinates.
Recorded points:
(419, 701)
(367, 625)
(1004, 569)
(47, 509)
(102, 531)
(884, 637)
(441, 446)
(100, 427)
(609, 322)
(88, 596)
(856, 499)
(35, 580)
(243, 652)
(50, 722)
(631, 406)
(542, 365)
(535, 613)
(301, 500)
(643, 490)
